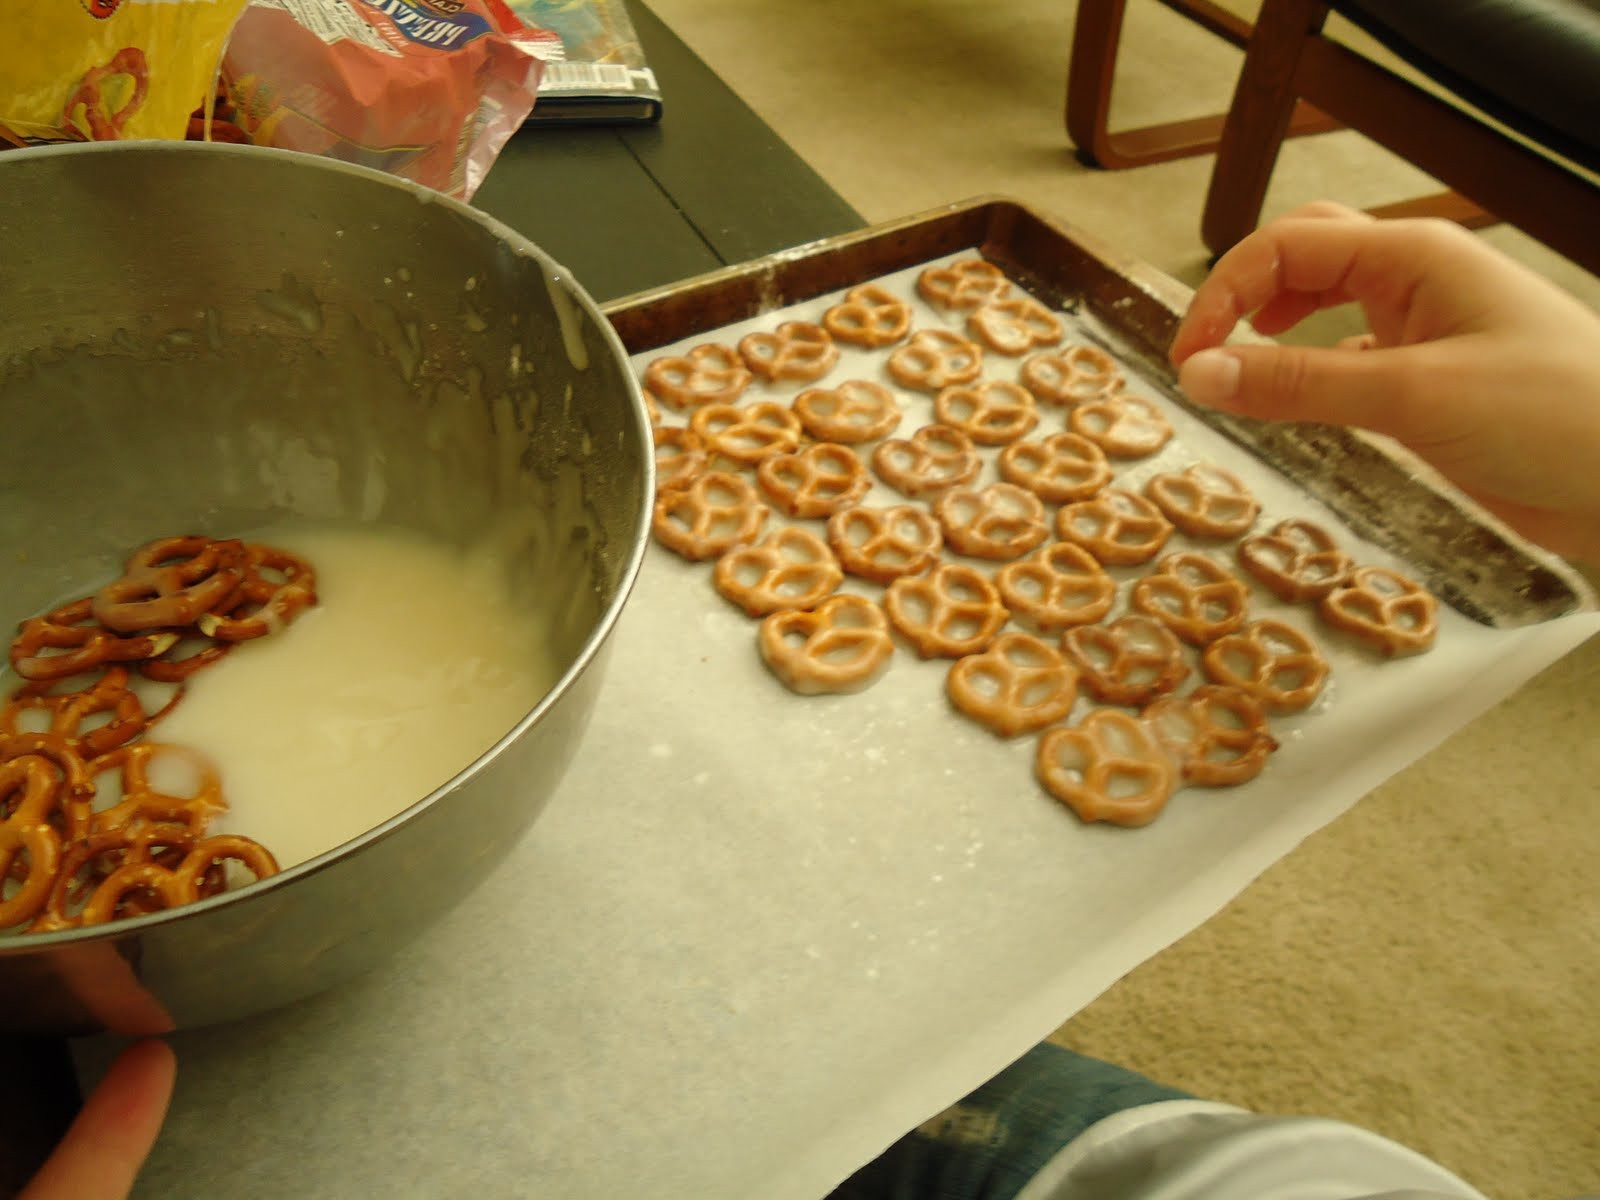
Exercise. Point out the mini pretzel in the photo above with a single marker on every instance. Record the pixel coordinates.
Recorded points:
(842, 646)
(934, 359)
(991, 412)
(710, 516)
(815, 482)
(858, 410)
(933, 459)
(87, 863)
(1205, 501)
(69, 640)
(708, 374)
(1218, 735)
(1018, 685)
(1015, 325)
(1072, 375)
(747, 433)
(170, 582)
(1059, 586)
(790, 568)
(141, 802)
(1058, 469)
(74, 791)
(870, 316)
(30, 844)
(1108, 767)
(948, 613)
(964, 284)
(680, 456)
(882, 544)
(277, 588)
(1277, 664)
(172, 887)
(1295, 560)
(1118, 527)
(1392, 614)
(796, 350)
(65, 713)
(1121, 424)
(1194, 596)
(1130, 661)
(1001, 521)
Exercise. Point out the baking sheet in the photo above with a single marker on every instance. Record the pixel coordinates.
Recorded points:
(756, 937)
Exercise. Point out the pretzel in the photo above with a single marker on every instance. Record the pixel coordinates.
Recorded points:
(842, 646)
(934, 359)
(30, 845)
(1109, 767)
(791, 568)
(1392, 614)
(749, 433)
(950, 612)
(1056, 587)
(964, 284)
(1192, 595)
(1131, 660)
(1218, 735)
(1018, 685)
(103, 124)
(65, 713)
(141, 802)
(815, 482)
(172, 887)
(680, 456)
(75, 786)
(171, 582)
(991, 412)
(796, 350)
(933, 459)
(1070, 376)
(86, 864)
(651, 408)
(1121, 424)
(709, 374)
(870, 316)
(1277, 664)
(1295, 560)
(882, 544)
(858, 410)
(1001, 521)
(709, 517)
(1118, 527)
(80, 643)
(1205, 501)
(1015, 325)
(190, 653)
(1058, 469)
(278, 586)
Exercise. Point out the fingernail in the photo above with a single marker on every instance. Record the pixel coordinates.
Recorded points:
(1210, 377)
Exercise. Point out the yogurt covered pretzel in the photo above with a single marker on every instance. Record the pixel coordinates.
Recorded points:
(1018, 685)
(789, 568)
(858, 410)
(1059, 469)
(1108, 767)
(1205, 501)
(952, 611)
(708, 374)
(796, 350)
(1274, 662)
(965, 284)
(1120, 528)
(1070, 376)
(1295, 560)
(1218, 735)
(1194, 596)
(1392, 614)
(706, 519)
(934, 359)
(1130, 661)
(1015, 325)
(934, 459)
(1121, 424)
(991, 412)
(747, 433)
(815, 482)
(882, 544)
(1056, 587)
(869, 315)
(1001, 521)
(842, 646)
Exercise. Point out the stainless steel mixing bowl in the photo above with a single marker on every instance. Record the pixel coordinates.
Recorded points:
(207, 338)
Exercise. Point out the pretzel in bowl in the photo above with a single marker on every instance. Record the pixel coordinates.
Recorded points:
(1205, 501)
(708, 374)
(1071, 376)
(1194, 596)
(1056, 587)
(89, 862)
(963, 285)
(870, 316)
(93, 719)
(747, 433)
(1001, 521)
(1121, 424)
(1118, 527)
(1274, 662)
(278, 586)
(30, 844)
(1218, 735)
(797, 350)
(950, 612)
(69, 640)
(934, 459)
(158, 887)
(709, 517)
(789, 568)
(1389, 612)
(1058, 469)
(1130, 661)
(882, 544)
(815, 482)
(1018, 685)
(858, 410)
(680, 456)
(1108, 767)
(991, 412)
(1295, 560)
(934, 359)
(1015, 325)
(171, 582)
(841, 646)
(142, 802)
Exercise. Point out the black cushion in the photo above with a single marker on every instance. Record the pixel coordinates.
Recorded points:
(1532, 64)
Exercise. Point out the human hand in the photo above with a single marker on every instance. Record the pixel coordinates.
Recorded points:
(109, 1140)
(1480, 366)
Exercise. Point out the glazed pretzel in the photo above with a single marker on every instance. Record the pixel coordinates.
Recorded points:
(171, 887)
(882, 544)
(1018, 685)
(858, 410)
(1196, 597)
(680, 456)
(1131, 660)
(933, 459)
(1015, 325)
(1057, 587)
(1001, 521)
(278, 586)
(1392, 614)
(1277, 664)
(1070, 376)
(934, 359)
(709, 517)
(1120, 528)
(870, 316)
(30, 843)
(747, 433)
(1205, 501)
(708, 374)
(170, 583)
(842, 646)
(815, 482)
(1121, 424)
(991, 412)
(964, 284)
(1296, 561)
(1218, 735)
(67, 714)
(1059, 469)
(950, 612)
(796, 350)
(143, 803)
(790, 568)
(1108, 767)
(104, 125)
(69, 641)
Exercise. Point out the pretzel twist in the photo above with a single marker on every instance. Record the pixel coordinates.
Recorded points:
(171, 582)
(1296, 561)
(991, 412)
(680, 456)
(1130, 661)
(1275, 663)
(1118, 527)
(1218, 735)
(30, 843)
(934, 459)
(1001, 521)
(709, 517)
(841, 646)
(795, 350)
(104, 124)
(1015, 325)
(1196, 597)
(858, 410)
(1109, 767)
(869, 315)
(790, 568)
(69, 641)
(75, 786)
(748, 433)
(815, 482)
(1057, 587)
(172, 887)
(965, 284)
(952, 611)
(65, 713)
(141, 802)
(1205, 501)
(1389, 612)
(708, 374)
(1121, 424)
(86, 864)
(277, 587)
(882, 544)
(1059, 469)
(1070, 376)
(1018, 685)
(934, 359)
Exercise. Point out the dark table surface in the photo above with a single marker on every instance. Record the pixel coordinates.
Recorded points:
(625, 209)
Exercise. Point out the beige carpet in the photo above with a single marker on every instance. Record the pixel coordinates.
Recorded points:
(1428, 966)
